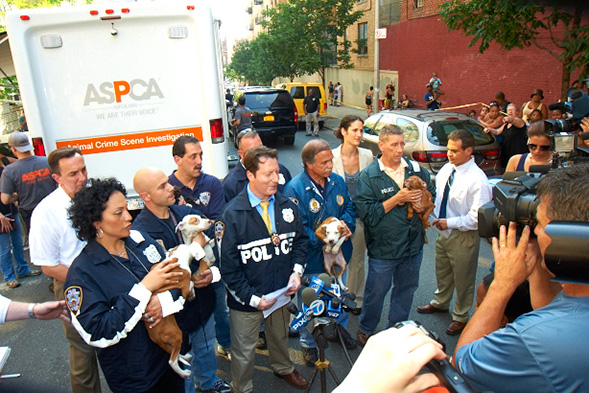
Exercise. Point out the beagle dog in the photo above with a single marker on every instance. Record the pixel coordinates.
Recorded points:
(426, 201)
(331, 232)
(167, 334)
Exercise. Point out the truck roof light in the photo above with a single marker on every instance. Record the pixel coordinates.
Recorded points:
(93, 12)
(190, 7)
(125, 10)
(109, 12)
(24, 17)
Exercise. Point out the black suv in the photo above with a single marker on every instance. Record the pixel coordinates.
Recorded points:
(274, 113)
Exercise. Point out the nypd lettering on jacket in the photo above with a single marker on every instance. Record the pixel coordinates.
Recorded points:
(262, 249)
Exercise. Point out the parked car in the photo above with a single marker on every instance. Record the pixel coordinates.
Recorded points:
(299, 90)
(274, 113)
(426, 136)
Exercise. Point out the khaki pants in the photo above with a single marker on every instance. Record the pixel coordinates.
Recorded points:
(84, 375)
(245, 327)
(456, 267)
(356, 266)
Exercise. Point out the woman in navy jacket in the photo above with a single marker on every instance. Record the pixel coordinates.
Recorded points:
(109, 286)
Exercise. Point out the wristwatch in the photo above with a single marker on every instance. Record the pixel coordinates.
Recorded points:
(30, 310)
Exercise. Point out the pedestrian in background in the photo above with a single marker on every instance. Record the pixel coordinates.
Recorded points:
(311, 109)
(368, 101)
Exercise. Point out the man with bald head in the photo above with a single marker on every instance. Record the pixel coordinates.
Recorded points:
(159, 219)
(236, 179)
(320, 194)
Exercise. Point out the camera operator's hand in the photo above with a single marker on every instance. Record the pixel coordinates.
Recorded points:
(390, 362)
(511, 269)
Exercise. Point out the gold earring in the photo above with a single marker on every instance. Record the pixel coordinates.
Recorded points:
(99, 233)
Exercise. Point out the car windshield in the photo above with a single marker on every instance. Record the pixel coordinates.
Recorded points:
(263, 101)
(437, 132)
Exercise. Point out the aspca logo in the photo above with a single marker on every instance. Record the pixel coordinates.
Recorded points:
(111, 92)
(34, 175)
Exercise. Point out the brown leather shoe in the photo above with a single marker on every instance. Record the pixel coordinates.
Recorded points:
(455, 328)
(362, 337)
(429, 309)
(294, 379)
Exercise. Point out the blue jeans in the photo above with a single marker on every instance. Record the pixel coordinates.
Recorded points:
(306, 338)
(221, 314)
(404, 275)
(11, 245)
(204, 358)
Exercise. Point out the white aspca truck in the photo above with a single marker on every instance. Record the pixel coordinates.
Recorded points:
(122, 81)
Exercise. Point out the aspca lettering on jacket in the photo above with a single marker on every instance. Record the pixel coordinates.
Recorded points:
(264, 249)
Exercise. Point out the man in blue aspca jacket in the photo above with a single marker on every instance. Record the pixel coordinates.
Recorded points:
(159, 219)
(320, 194)
(262, 246)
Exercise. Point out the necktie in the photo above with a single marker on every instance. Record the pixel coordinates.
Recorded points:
(266, 216)
(446, 194)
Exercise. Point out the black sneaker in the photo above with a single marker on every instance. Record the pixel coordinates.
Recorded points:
(261, 344)
(310, 356)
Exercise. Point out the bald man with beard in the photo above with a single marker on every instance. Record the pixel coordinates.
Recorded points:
(159, 219)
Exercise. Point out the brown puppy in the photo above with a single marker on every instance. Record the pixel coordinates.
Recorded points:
(331, 233)
(426, 202)
(167, 334)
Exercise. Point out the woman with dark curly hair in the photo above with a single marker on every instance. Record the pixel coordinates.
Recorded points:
(109, 286)
(348, 160)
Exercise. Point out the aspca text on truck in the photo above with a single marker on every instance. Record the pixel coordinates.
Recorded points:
(122, 81)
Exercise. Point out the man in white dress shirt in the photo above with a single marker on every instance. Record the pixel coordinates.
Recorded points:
(461, 188)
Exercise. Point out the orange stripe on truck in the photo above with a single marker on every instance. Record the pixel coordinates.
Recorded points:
(138, 140)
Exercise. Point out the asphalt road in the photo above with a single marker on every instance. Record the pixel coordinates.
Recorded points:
(40, 351)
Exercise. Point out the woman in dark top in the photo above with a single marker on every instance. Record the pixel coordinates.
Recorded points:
(514, 136)
(539, 147)
(109, 286)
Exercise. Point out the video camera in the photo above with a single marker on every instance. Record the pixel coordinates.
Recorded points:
(448, 375)
(577, 106)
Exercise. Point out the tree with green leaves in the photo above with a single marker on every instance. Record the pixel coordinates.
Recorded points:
(310, 35)
(555, 29)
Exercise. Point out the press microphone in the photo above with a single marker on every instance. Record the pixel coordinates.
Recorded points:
(333, 292)
(312, 307)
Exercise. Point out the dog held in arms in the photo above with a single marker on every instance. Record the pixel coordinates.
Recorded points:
(426, 202)
(331, 232)
(167, 334)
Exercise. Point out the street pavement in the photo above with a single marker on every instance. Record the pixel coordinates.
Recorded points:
(40, 351)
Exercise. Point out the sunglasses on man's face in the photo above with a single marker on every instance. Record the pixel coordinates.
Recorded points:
(531, 146)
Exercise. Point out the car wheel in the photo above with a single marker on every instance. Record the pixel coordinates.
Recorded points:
(289, 139)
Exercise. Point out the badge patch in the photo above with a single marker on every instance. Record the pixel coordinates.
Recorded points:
(219, 231)
(152, 254)
(205, 198)
(73, 299)
(296, 202)
(340, 200)
(281, 179)
(314, 205)
(288, 215)
(275, 239)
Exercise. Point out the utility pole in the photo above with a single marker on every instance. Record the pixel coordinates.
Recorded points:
(376, 56)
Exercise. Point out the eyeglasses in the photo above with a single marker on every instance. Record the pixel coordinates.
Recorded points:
(531, 146)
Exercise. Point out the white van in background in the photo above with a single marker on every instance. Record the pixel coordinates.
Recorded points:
(122, 81)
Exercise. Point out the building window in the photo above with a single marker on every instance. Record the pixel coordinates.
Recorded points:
(417, 3)
(362, 38)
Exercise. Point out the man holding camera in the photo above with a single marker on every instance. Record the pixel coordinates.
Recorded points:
(543, 350)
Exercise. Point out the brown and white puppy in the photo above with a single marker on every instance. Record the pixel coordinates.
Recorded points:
(331, 232)
(426, 201)
(167, 334)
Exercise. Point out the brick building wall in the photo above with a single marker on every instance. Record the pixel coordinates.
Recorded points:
(418, 46)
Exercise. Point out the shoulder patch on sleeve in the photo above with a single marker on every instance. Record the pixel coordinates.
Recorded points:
(73, 299)
(136, 236)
